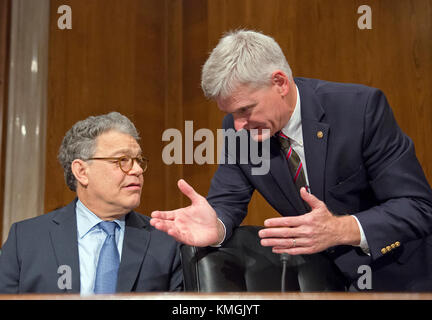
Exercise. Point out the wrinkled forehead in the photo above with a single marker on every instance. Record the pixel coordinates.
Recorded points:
(115, 143)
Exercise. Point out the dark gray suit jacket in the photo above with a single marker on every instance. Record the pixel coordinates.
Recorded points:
(37, 247)
(363, 164)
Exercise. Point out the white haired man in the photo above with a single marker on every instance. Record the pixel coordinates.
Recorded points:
(343, 175)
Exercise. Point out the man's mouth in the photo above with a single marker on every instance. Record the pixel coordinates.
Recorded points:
(133, 186)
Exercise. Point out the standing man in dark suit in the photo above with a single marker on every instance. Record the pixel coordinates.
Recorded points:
(97, 243)
(343, 175)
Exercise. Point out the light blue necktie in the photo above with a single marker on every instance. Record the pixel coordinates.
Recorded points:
(109, 261)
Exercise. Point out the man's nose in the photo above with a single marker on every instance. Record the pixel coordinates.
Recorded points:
(136, 169)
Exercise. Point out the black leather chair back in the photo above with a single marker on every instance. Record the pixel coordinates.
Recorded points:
(242, 264)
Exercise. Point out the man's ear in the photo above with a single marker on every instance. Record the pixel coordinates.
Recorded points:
(80, 170)
(281, 81)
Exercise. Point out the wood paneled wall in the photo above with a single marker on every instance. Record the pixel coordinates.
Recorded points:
(143, 58)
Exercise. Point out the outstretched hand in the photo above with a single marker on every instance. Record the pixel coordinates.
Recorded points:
(195, 225)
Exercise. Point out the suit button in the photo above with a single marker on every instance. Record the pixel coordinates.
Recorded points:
(388, 248)
(397, 243)
(383, 250)
(393, 246)
(320, 134)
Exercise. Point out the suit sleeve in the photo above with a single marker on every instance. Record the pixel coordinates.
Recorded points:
(9, 264)
(230, 190)
(397, 180)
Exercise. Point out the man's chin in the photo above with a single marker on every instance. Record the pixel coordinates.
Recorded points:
(133, 204)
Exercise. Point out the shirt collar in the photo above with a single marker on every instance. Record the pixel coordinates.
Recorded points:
(87, 220)
(293, 129)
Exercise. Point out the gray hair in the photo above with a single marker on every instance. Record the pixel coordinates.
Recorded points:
(80, 141)
(242, 57)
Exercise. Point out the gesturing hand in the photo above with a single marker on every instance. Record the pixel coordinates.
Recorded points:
(309, 233)
(195, 225)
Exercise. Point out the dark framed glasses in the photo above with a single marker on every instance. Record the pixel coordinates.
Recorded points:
(125, 162)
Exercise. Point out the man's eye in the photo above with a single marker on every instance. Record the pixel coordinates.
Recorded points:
(124, 160)
(245, 110)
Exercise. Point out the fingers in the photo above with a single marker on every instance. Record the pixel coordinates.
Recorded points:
(164, 215)
(284, 240)
(163, 220)
(283, 243)
(292, 246)
(163, 225)
(167, 226)
(310, 199)
(284, 222)
(296, 221)
(305, 234)
(293, 251)
(282, 232)
(188, 191)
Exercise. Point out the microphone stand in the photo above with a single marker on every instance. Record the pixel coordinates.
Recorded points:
(284, 258)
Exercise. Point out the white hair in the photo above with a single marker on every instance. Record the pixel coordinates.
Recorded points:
(242, 57)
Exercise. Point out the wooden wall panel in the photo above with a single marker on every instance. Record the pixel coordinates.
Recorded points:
(143, 58)
(173, 111)
(195, 50)
(112, 59)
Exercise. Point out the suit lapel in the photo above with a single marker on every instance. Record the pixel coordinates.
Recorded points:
(315, 137)
(63, 233)
(135, 245)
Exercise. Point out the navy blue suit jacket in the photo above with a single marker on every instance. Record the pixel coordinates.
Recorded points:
(363, 165)
(37, 247)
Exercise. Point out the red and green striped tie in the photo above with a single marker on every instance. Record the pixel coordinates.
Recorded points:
(294, 162)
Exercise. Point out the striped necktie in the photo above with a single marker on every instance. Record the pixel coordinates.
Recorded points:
(294, 162)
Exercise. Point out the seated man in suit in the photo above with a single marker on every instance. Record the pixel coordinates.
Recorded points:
(97, 243)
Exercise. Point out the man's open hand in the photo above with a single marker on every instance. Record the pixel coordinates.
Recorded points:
(195, 225)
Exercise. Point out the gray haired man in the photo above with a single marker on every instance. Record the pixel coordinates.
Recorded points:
(97, 243)
(343, 175)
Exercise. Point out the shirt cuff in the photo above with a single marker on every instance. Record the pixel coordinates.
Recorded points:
(223, 239)
(363, 242)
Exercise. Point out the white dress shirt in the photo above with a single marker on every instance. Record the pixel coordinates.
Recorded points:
(90, 240)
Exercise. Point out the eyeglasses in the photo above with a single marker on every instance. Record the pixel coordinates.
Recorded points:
(126, 163)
